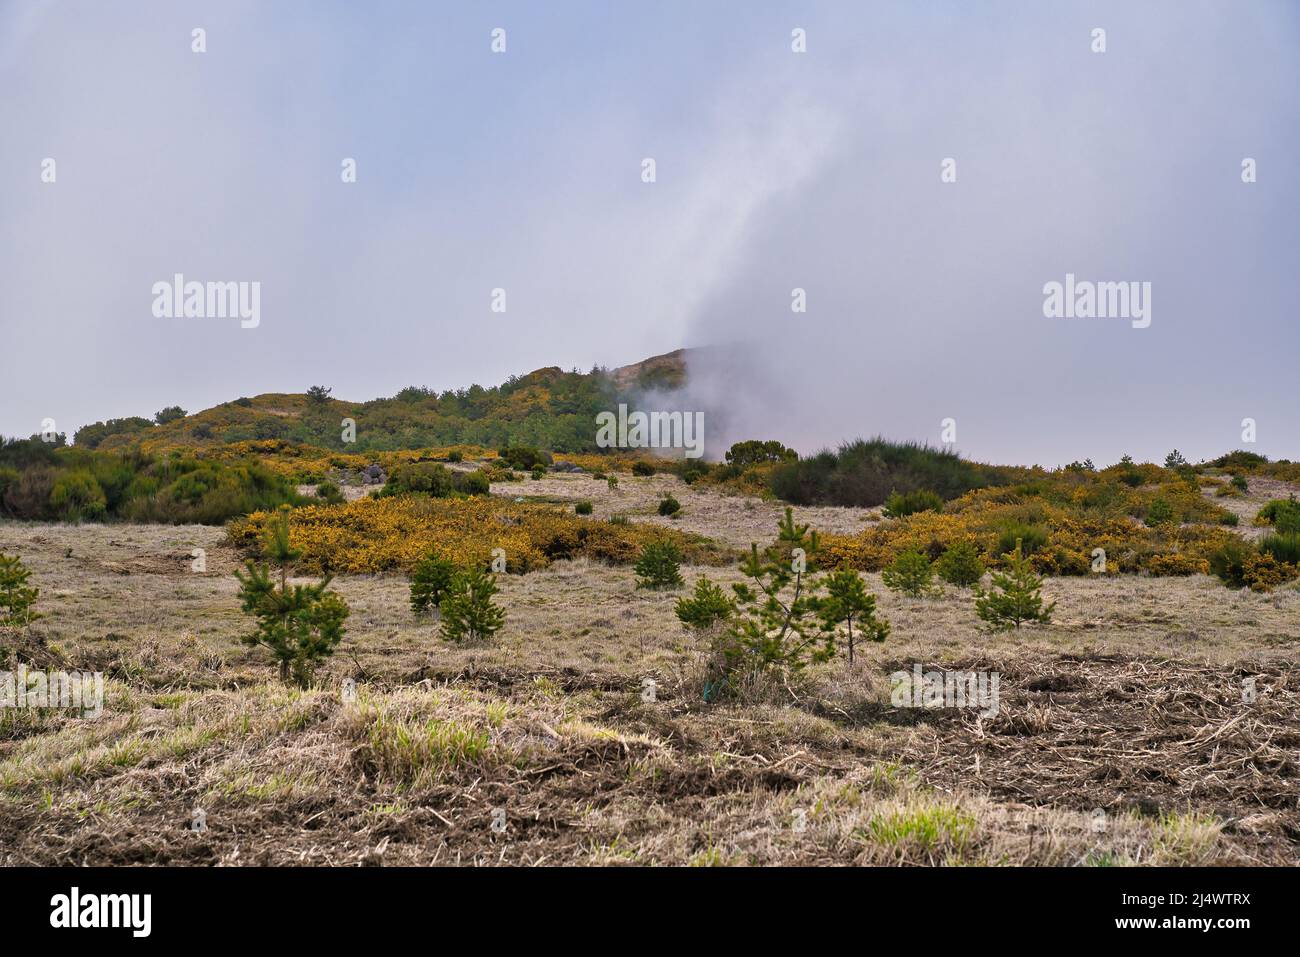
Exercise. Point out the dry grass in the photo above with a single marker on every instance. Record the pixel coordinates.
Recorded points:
(1130, 701)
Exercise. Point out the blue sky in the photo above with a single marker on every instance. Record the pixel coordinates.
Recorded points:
(775, 170)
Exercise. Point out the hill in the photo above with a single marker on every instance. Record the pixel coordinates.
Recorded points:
(547, 408)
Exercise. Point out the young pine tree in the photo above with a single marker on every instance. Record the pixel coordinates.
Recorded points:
(468, 612)
(910, 573)
(430, 580)
(961, 565)
(299, 624)
(16, 597)
(708, 607)
(1015, 598)
(777, 623)
(847, 600)
(659, 566)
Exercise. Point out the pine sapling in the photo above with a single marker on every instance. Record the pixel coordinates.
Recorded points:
(16, 597)
(847, 600)
(299, 624)
(1015, 596)
(468, 612)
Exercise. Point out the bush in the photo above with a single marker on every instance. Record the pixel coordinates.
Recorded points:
(329, 492)
(299, 624)
(612, 482)
(642, 468)
(864, 473)
(900, 504)
(468, 612)
(170, 414)
(1017, 534)
(709, 606)
(472, 483)
(669, 506)
(909, 573)
(1240, 484)
(1283, 546)
(961, 565)
(754, 452)
(523, 457)
(582, 508)
(1015, 598)
(76, 495)
(430, 580)
(16, 597)
(435, 480)
(1228, 562)
(455, 456)
(537, 473)
(659, 566)
(1282, 513)
(1159, 512)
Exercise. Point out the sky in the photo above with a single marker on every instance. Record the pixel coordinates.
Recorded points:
(775, 170)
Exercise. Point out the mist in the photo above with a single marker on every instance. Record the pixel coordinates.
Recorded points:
(775, 170)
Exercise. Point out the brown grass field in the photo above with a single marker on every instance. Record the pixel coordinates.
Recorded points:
(1123, 735)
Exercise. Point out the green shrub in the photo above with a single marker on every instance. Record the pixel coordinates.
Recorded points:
(583, 508)
(1283, 546)
(523, 457)
(1015, 597)
(707, 607)
(910, 573)
(1159, 512)
(538, 473)
(1228, 562)
(669, 506)
(16, 597)
(863, 473)
(612, 482)
(1240, 484)
(455, 456)
(961, 565)
(472, 483)
(642, 468)
(1282, 513)
(1030, 537)
(755, 452)
(329, 492)
(658, 566)
(76, 495)
(900, 504)
(468, 612)
(430, 580)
